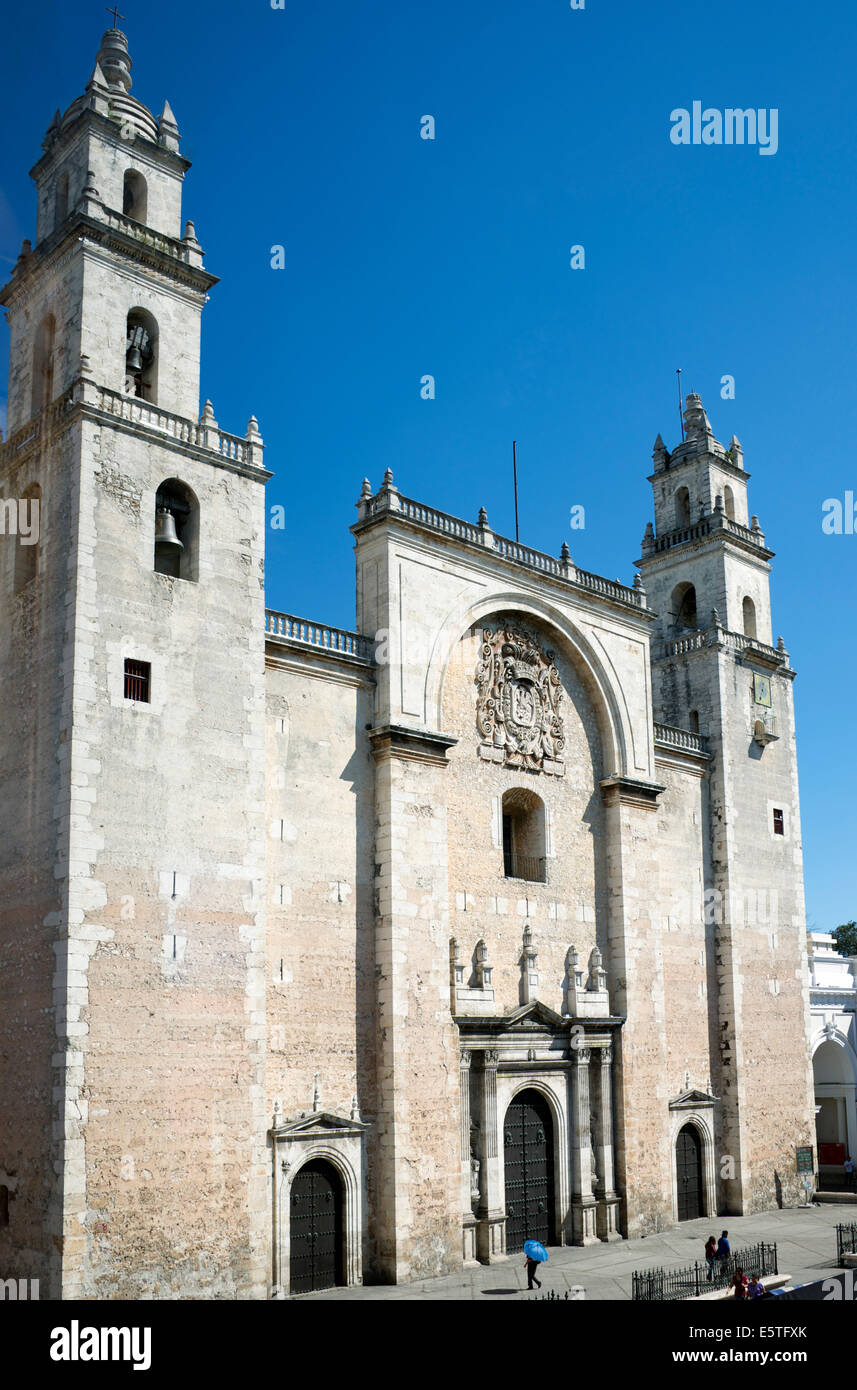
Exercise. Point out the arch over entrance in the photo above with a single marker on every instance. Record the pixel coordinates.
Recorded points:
(528, 1141)
(316, 1228)
(688, 1167)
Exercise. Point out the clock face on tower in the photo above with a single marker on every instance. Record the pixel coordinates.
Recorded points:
(762, 690)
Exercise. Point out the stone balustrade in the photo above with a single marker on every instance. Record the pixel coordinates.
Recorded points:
(335, 640)
(721, 636)
(170, 246)
(683, 739)
(388, 500)
(201, 434)
(705, 526)
(141, 412)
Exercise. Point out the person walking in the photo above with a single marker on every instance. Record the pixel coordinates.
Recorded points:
(724, 1249)
(848, 1165)
(532, 1267)
(756, 1288)
(739, 1284)
(711, 1258)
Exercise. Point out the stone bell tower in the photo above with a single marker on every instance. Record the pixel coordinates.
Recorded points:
(131, 749)
(716, 672)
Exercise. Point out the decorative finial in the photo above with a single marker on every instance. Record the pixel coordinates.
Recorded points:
(355, 1110)
(366, 490)
(388, 477)
(114, 59)
(168, 131)
(565, 553)
(316, 1093)
(483, 517)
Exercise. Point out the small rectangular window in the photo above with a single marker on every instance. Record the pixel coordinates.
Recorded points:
(779, 824)
(138, 676)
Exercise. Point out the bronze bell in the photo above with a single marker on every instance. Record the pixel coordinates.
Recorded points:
(165, 531)
(134, 359)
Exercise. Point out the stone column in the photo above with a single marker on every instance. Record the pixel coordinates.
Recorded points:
(583, 1205)
(608, 1202)
(491, 1230)
(469, 1173)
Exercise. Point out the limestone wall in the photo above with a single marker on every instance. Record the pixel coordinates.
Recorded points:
(320, 889)
(34, 826)
(167, 898)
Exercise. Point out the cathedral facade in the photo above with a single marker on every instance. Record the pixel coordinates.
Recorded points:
(335, 956)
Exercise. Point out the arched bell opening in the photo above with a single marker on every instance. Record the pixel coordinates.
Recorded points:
(141, 356)
(134, 196)
(683, 605)
(176, 531)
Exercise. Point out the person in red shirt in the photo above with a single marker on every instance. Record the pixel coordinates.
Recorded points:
(739, 1284)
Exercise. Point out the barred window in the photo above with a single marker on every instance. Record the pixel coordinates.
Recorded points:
(779, 824)
(138, 676)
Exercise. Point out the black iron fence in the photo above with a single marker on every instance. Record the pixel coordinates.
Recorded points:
(846, 1242)
(663, 1285)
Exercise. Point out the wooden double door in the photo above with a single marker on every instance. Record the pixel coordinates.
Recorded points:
(688, 1167)
(528, 1143)
(316, 1228)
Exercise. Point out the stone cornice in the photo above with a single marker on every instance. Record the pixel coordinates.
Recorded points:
(631, 791)
(416, 745)
(282, 655)
(706, 456)
(155, 252)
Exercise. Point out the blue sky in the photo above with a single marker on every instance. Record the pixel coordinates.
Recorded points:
(451, 257)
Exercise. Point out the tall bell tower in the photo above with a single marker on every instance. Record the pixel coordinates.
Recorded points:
(716, 672)
(132, 772)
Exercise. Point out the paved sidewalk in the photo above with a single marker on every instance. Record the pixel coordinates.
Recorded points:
(805, 1238)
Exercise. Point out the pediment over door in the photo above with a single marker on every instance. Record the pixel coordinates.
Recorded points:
(319, 1125)
(693, 1099)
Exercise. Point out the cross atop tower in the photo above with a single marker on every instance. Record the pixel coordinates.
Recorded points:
(116, 16)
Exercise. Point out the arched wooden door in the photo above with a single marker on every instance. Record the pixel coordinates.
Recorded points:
(688, 1167)
(529, 1171)
(316, 1228)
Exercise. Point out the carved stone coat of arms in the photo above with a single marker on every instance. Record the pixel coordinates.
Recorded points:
(518, 702)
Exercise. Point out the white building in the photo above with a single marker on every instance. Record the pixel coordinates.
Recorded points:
(833, 1002)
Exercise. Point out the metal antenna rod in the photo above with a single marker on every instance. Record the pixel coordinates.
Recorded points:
(515, 476)
(680, 415)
